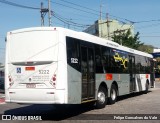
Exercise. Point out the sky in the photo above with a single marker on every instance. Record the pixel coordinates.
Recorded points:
(78, 14)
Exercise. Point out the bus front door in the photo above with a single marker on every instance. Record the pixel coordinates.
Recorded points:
(88, 73)
(132, 73)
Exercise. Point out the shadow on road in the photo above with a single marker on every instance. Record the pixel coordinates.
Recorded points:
(128, 96)
(51, 112)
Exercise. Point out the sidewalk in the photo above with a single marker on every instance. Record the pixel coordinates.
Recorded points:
(157, 79)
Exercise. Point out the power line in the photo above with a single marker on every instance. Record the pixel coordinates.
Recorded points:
(66, 21)
(147, 21)
(88, 11)
(119, 18)
(96, 11)
(151, 36)
(79, 6)
(148, 26)
(74, 8)
(82, 16)
(18, 5)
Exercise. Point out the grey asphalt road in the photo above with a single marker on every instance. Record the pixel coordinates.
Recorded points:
(137, 105)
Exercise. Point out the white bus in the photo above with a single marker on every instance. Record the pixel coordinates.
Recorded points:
(53, 65)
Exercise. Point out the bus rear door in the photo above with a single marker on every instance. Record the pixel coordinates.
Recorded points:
(88, 73)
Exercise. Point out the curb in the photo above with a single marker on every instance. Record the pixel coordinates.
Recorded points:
(157, 79)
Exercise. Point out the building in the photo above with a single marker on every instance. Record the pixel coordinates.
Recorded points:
(106, 29)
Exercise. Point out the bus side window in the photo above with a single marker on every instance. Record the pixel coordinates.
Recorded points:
(105, 59)
(73, 53)
(99, 67)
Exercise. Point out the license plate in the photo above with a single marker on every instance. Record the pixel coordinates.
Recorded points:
(30, 85)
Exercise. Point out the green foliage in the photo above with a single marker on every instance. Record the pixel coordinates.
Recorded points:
(126, 39)
(146, 48)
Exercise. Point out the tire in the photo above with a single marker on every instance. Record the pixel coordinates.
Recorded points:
(101, 98)
(147, 88)
(113, 94)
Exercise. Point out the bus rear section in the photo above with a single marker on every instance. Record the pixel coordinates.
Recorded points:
(32, 62)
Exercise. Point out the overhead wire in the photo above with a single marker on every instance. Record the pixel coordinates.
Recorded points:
(148, 26)
(66, 21)
(74, 8)
(97, 11)
(18, 5)
(146, 21)
(85, 9)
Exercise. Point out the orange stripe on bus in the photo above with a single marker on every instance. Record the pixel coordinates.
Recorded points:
(29, 68)
(109, 77)
(147, 76)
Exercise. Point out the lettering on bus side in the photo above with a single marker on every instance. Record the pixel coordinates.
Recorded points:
(74, 60)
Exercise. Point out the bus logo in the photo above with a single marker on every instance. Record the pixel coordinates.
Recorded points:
(18, 70)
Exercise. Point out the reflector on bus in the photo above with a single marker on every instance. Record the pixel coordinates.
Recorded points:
(147, 76)
(29, 68)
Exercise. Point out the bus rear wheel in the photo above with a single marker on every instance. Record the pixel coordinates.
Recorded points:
(113, 94)
(101, 98)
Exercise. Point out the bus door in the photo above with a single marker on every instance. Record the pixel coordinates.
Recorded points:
(88, 73)
(132, 73)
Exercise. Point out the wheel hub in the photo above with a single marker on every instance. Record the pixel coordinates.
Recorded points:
(101, 97)
(113, 94)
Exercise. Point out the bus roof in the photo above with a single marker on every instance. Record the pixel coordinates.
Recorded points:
(82, 36)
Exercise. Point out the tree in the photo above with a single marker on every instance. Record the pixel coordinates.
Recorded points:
(127, 39)
(146, 48)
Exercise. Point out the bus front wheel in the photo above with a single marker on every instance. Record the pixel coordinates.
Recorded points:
(101, 98)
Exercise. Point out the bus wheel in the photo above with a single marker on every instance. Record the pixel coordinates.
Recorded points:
(113, 94)
(101, 98)
(147, 88)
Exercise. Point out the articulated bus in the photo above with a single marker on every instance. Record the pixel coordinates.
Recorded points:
(54, 65)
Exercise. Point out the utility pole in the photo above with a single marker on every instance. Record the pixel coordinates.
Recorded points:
(100, 12)
(49, 13)
(108, 26)
(43, 13)
(42, 16)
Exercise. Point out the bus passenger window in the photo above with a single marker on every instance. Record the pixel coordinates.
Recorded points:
(99, 67)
